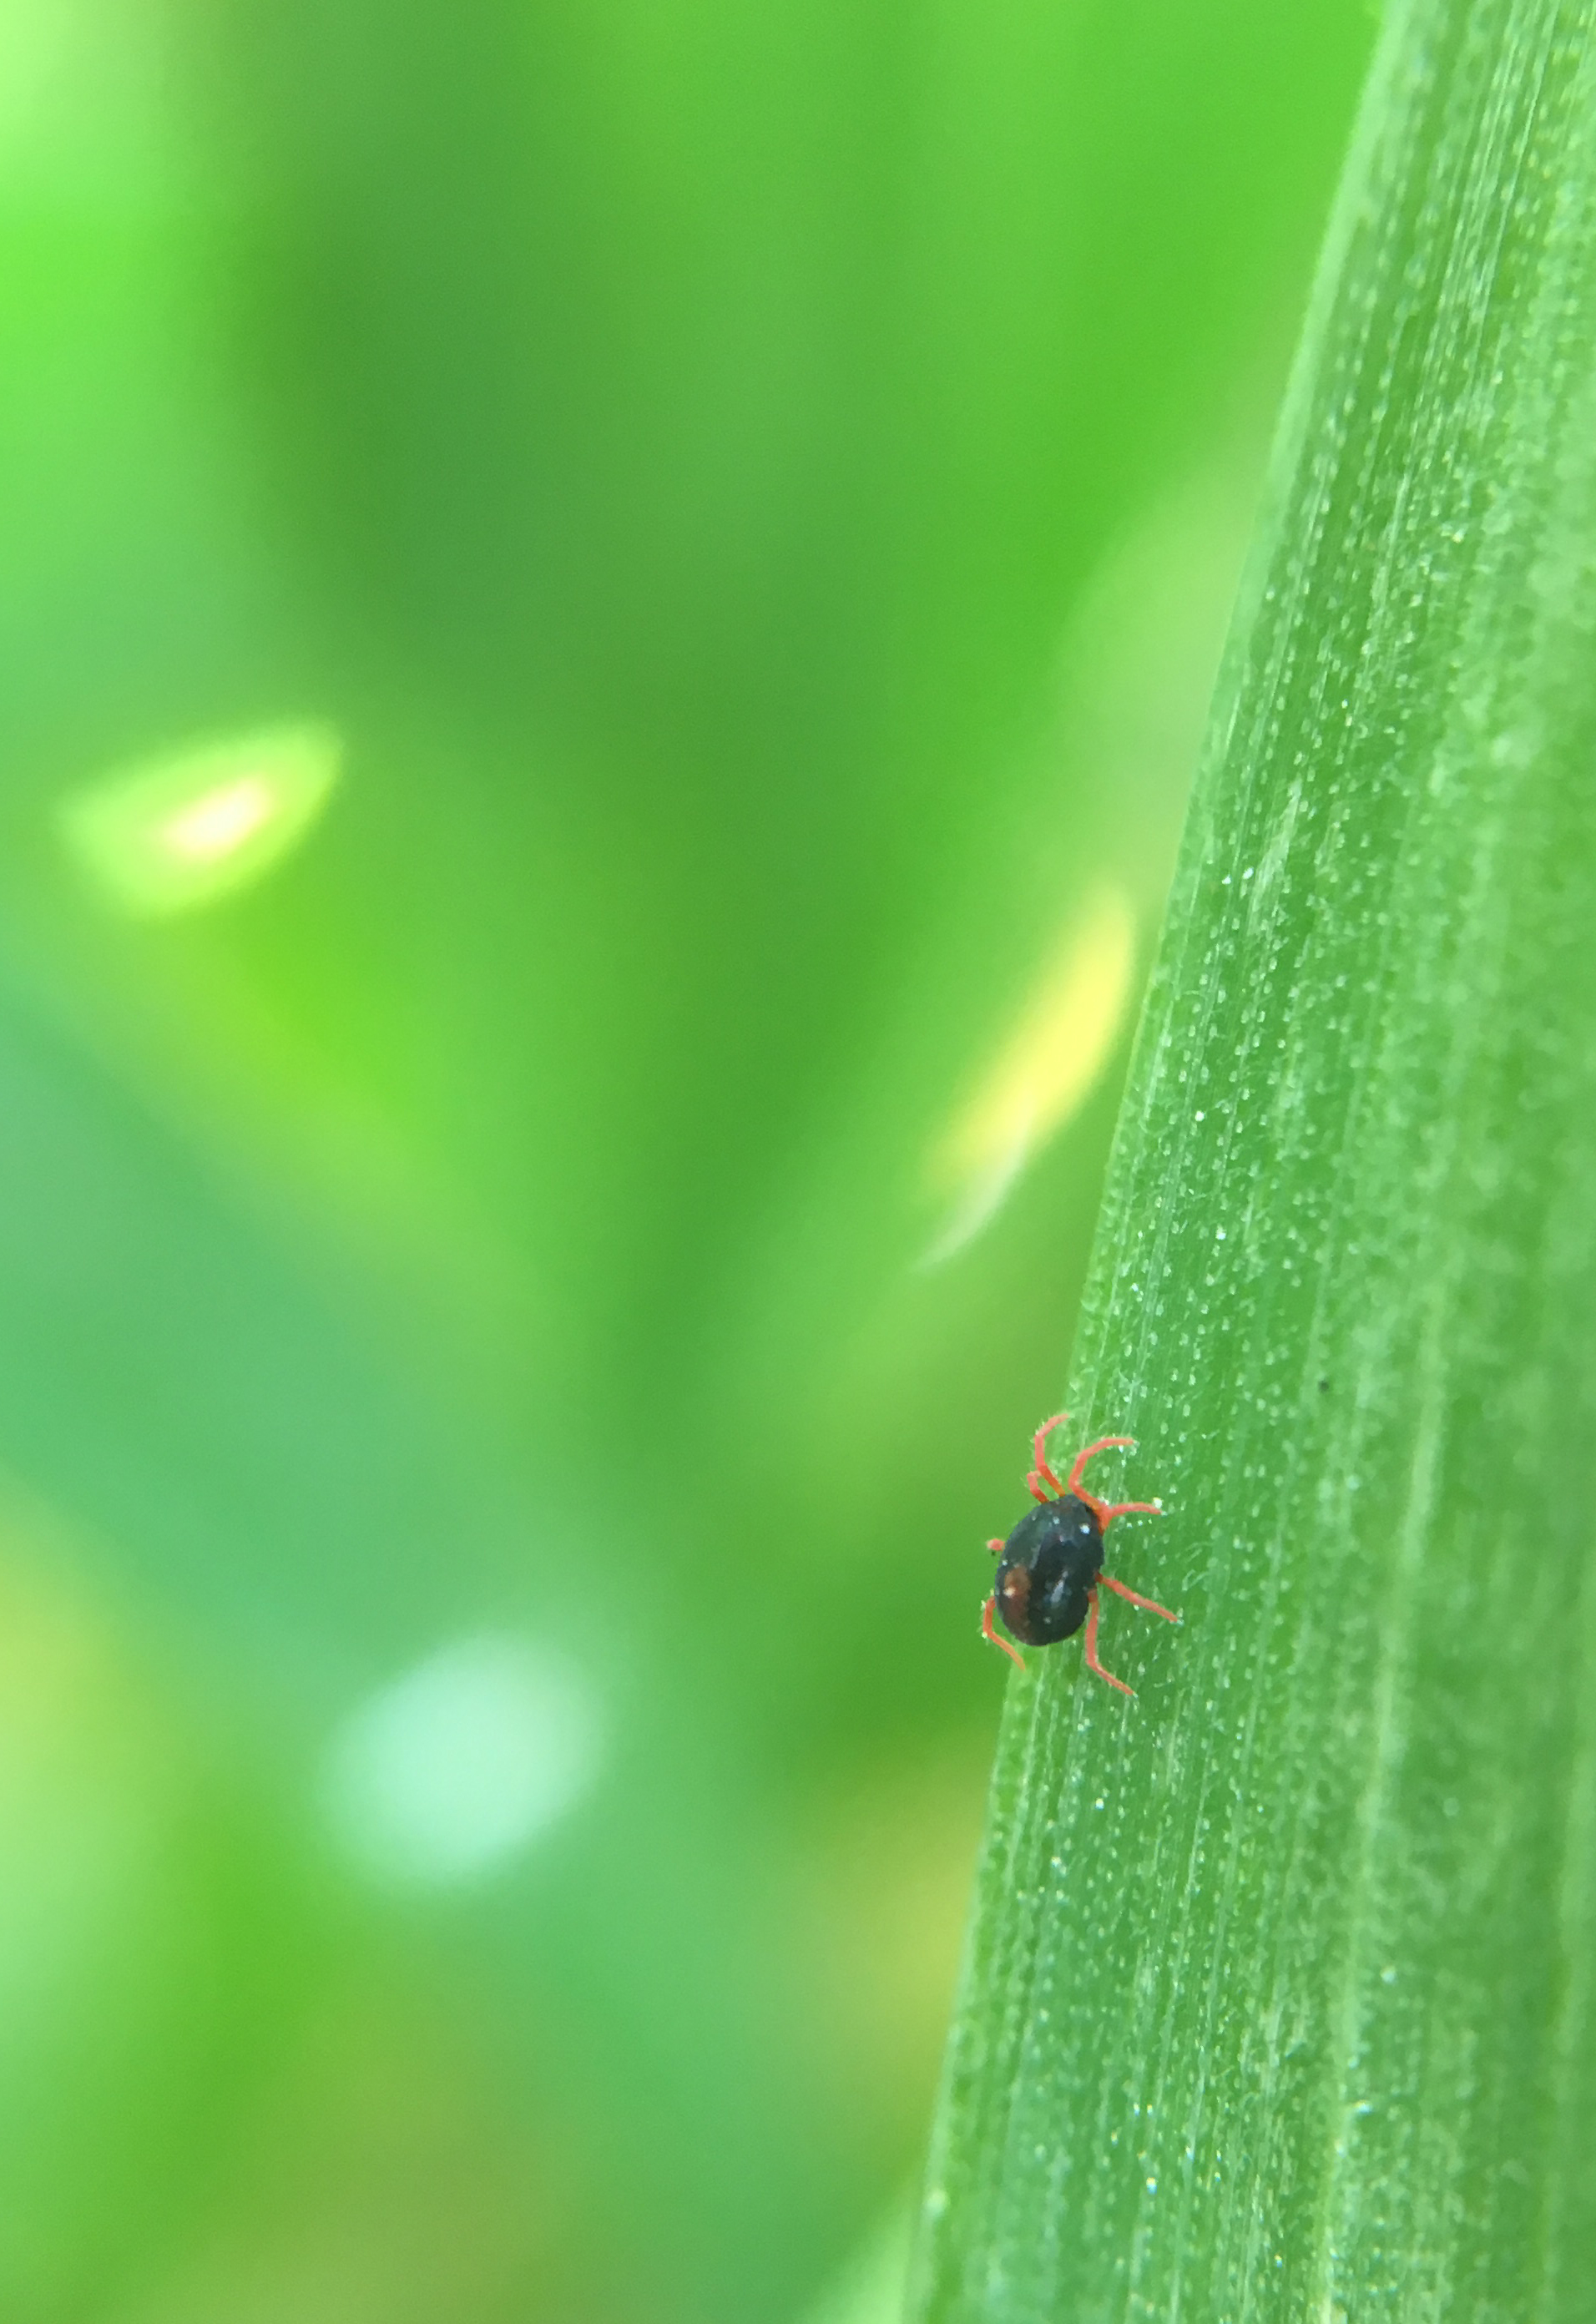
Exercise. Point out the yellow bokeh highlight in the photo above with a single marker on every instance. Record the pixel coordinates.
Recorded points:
(1044, 1070)
(176, 832)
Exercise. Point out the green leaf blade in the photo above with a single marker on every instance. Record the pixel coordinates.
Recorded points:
(1277, 2003)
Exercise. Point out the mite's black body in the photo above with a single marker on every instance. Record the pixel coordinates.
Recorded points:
(1047, 1569)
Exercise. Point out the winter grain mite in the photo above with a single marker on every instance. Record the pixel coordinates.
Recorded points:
(1050, 1567)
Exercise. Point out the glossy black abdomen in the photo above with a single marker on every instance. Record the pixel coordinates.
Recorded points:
(1048, 1564)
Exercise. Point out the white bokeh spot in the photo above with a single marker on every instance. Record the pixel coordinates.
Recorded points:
(449, 1772)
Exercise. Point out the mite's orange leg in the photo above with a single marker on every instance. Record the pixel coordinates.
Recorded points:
(991, 1638)
(1040, 1471)
(1102, 1444)
(1092, 1662)
(1108, 1511)
(1151, 1604)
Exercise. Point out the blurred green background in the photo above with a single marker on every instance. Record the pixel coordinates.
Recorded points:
(607, 610)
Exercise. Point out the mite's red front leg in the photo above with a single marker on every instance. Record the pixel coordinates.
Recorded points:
(1103, 1444)
(1040, 1471)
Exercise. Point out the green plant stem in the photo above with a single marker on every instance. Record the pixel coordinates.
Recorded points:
(1278, 1998)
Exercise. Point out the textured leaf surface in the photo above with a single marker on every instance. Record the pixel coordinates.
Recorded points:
(1279, 2000)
